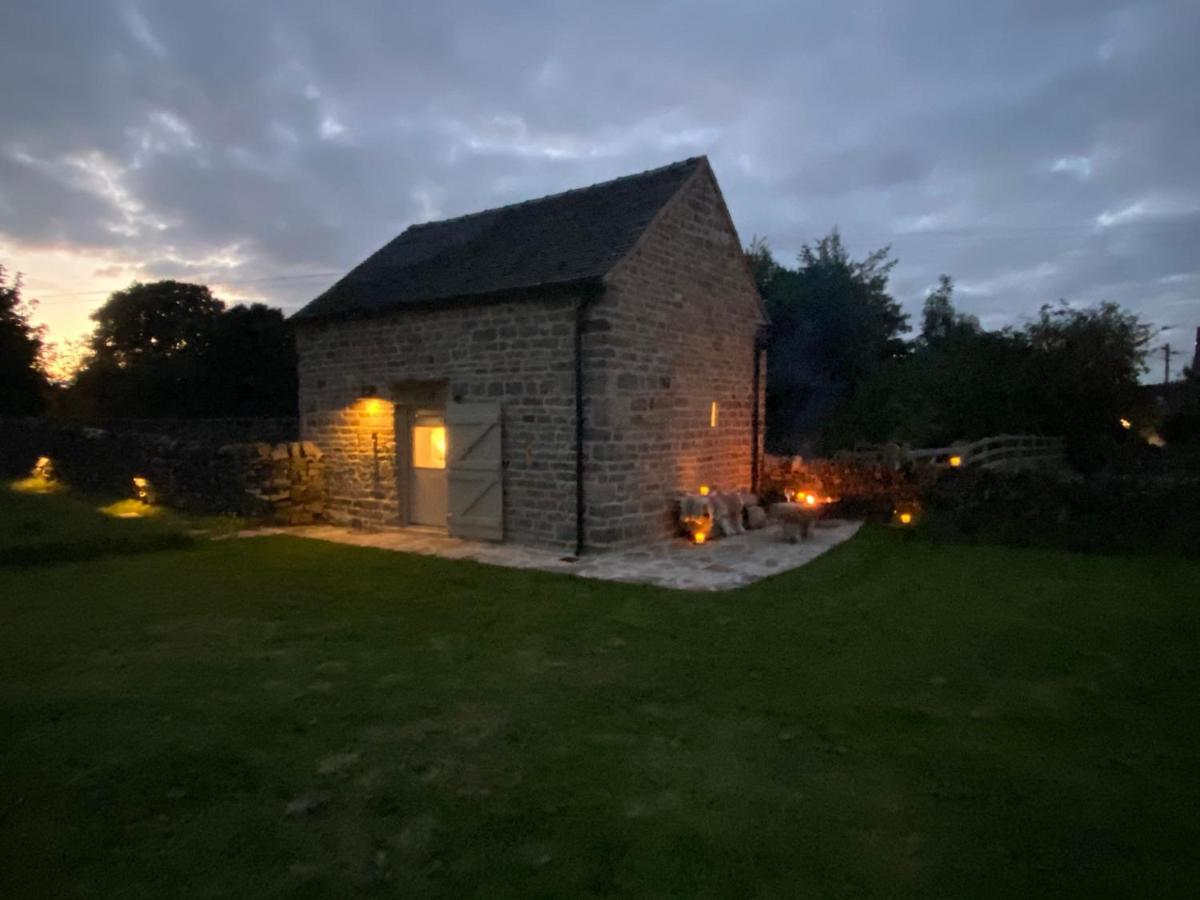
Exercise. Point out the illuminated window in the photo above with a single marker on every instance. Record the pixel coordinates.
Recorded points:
(429, 446)
(712, 415)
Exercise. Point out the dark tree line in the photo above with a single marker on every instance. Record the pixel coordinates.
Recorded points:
(171, 349)
(168, 349)
(840, 369)
(22, 384)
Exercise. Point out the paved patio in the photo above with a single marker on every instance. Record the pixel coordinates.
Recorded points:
(719, 565)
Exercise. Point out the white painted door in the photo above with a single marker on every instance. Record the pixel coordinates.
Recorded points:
(427, 469)
(474, 466)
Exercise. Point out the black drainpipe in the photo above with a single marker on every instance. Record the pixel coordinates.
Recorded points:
(760, 346)
(585, 299)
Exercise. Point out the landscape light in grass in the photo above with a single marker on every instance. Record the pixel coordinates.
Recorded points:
(141, 488)
(40, 480)
(1126, 424)
(906, 513)
(955, 462)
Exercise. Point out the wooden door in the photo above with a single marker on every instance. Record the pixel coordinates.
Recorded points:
(474, 466)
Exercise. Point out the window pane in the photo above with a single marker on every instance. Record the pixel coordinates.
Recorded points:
(429, 446)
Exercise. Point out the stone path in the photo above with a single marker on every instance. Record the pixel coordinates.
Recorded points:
(719, 565)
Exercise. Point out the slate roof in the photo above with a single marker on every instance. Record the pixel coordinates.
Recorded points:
(570, 238)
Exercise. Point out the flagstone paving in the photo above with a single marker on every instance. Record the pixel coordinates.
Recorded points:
(719, 565)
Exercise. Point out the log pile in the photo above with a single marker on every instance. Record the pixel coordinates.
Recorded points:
(287, 480)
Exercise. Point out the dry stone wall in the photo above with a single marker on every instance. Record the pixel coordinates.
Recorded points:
(283, 482)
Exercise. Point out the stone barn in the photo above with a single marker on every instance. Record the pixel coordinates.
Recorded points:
(553, 373)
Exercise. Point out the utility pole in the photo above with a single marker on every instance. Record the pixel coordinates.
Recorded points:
(1166, 363)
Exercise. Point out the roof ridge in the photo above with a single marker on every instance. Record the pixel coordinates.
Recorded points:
(678, 164)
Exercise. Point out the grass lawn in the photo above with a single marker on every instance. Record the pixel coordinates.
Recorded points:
(276, 717)
(41, 523)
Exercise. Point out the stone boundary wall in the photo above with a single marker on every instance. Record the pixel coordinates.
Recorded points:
(232, 430)
(283, 482)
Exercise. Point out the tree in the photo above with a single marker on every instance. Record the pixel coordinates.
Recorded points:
(22, 383)
(154, 321)
(1181, 425)
(1071, 372)
(835, 331)
(940, 321)
(171, 349)
(961, 381)
(249, 366)
(1087, 363)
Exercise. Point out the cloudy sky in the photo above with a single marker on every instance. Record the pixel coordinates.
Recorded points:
(1032, 150)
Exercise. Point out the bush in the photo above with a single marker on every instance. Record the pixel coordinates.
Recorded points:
(1100, 514)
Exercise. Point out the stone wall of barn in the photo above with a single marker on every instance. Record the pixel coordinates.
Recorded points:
(519, 353)
(674, 332)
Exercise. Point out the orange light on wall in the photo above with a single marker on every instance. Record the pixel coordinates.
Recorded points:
(713, 415)
(810, 499)
(704, 490)
(700, 537)
(955, 462)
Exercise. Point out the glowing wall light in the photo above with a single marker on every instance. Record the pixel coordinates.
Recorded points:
(955, 461)
(713, 414)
